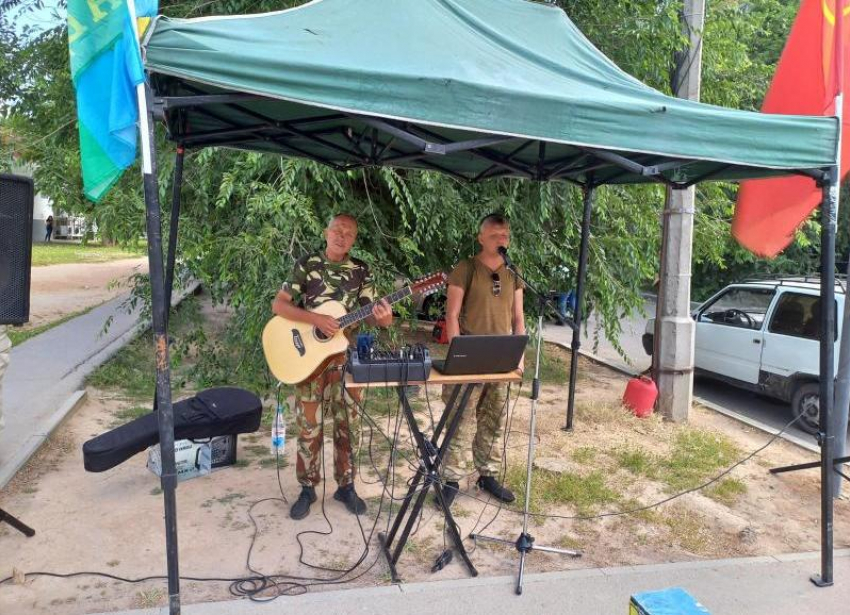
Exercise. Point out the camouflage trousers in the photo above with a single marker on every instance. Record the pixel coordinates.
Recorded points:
(486, 408)
(313, 401)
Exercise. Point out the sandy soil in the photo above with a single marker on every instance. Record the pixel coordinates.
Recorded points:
(112, 522)
(59, 290)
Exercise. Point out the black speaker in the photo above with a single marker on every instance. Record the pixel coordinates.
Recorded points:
(17, 199)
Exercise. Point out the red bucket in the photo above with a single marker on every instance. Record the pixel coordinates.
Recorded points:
(440, 332)
(640, 396)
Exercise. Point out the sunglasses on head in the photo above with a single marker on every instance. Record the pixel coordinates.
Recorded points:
(497, 284)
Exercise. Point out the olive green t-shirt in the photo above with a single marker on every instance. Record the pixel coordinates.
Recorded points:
(488, 304)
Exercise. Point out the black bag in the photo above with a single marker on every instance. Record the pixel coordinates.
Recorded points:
(214, 412)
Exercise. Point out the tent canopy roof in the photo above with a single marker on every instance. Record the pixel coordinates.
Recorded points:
(473, 88)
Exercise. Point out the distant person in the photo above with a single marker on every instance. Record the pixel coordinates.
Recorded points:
(49, 232)
(566, 304)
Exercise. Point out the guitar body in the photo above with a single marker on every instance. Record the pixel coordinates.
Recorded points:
(296, 351)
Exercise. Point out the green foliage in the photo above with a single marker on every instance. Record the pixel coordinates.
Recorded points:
(246, 216)
(132, 369)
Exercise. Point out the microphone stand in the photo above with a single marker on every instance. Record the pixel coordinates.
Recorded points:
(525, 542)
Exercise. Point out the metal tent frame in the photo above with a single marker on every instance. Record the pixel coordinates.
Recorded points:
(199, 114)
(380, 145)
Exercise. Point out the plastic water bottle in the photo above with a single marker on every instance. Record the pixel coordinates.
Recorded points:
(278, 431)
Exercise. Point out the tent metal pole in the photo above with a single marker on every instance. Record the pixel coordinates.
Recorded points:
(172, 229)
(172, 243)
(829, 207)
(589, 192)
(159, 312)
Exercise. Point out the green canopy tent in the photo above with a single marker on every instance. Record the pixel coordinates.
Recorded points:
(476, 89)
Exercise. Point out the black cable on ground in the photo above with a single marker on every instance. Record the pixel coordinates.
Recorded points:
(253, 587)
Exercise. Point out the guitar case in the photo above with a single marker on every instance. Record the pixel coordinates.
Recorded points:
(213, 412)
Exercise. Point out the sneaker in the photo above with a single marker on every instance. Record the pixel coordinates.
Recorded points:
(450, 489)
(492, 486)
(301, 508)
(352, 501)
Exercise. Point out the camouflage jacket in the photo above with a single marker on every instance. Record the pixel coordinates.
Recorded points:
(315, 280)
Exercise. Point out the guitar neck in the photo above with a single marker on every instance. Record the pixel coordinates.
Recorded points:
(366, 311)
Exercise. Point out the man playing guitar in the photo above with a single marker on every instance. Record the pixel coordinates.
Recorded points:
(329, 275)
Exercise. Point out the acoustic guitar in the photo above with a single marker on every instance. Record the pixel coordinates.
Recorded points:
(296, 352)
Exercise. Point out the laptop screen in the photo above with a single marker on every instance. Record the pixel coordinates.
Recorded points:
(483, 354)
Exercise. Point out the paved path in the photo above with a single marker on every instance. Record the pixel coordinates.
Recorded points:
(46, 375)
(751, 586)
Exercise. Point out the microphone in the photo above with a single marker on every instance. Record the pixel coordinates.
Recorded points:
(503, 252)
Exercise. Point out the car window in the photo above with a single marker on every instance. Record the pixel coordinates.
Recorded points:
(739, 307)
(797, 315)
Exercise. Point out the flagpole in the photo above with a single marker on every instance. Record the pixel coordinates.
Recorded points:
(159, 311)
(830, 395)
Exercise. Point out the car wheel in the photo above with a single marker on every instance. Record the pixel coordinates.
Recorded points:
(805, 405)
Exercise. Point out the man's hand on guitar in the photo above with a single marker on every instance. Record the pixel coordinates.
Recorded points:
(382, 313)
(326, 324)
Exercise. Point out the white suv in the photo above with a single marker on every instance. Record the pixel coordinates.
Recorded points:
(764, 336)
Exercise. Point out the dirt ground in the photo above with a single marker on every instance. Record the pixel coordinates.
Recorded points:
(113, 522)
(59, 290)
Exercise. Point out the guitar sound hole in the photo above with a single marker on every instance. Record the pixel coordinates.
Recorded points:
(321, 336)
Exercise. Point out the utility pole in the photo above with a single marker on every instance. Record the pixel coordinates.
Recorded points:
(674, 328)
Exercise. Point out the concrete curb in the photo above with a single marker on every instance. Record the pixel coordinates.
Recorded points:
(36, 440)
(361, 595)
(73, 401)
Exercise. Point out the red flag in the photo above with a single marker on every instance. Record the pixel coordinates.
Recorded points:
(769, 211)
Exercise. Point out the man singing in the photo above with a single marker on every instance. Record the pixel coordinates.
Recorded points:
(484, 298)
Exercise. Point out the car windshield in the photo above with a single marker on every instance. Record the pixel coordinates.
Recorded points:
(739, 307)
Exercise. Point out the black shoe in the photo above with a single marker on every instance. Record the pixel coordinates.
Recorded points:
(450, 490)
(352, 501)
(301, 508)
(492, 486)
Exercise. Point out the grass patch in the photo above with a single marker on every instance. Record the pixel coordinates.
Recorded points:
(569, 542)
(270, 462)
(649, 515)
(554, 367)
(584, 454)
(61, 253)
(125, 415)
(695, 456)
(150, 598)
(689, 530)
(636, 461)
(21, 335)
(595, 413)
(132, 370)
(585, 493)
(726, 491)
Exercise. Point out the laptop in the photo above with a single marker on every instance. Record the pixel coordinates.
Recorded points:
(482, 354)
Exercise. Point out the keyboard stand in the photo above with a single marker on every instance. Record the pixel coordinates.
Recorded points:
(431, 452)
